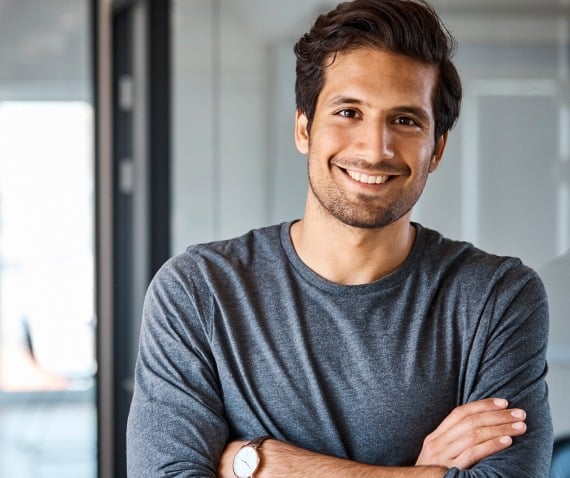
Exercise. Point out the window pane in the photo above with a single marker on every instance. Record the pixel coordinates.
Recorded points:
(47, 323)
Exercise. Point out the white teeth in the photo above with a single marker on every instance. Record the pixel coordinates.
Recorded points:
(364, 178)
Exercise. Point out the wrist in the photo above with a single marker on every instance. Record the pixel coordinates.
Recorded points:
(247, 460)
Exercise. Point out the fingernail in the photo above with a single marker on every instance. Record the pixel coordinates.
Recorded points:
(500, 402)
(505, 440)
(518, 413)
(519, 426)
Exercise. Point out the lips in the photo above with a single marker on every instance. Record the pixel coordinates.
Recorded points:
(367, 179)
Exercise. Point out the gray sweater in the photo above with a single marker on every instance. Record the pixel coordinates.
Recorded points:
(240, 339)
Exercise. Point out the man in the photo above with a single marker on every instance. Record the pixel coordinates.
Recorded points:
(352, 342)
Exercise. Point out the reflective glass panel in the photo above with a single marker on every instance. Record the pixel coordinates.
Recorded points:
(47, 323)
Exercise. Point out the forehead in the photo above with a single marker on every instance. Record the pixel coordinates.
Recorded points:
(375, 75)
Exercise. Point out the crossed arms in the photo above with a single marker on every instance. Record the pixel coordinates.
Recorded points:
(469, 434)
(193, 396)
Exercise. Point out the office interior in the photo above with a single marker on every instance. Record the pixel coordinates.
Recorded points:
(130, 129)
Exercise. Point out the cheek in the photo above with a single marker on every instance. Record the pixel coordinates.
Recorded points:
(423, 155)
(331, 142)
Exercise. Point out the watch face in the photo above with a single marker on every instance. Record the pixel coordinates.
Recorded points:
(245, 462)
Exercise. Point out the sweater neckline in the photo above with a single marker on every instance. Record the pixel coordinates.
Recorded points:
(388, 281)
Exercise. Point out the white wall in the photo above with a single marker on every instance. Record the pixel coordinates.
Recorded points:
(229, 118)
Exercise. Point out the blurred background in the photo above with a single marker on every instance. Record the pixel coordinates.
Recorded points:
(130, 129)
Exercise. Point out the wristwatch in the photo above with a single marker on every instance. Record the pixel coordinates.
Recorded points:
(247, 459)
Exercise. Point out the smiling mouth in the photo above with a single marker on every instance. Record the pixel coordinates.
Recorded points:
(365, 178)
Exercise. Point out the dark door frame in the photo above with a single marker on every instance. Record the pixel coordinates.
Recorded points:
(131, 71)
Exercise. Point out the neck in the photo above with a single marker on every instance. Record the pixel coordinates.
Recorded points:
(349, 255)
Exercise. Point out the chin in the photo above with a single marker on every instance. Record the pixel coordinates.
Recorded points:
(376, 222)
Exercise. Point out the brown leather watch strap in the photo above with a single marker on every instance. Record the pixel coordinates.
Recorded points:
(256, 442)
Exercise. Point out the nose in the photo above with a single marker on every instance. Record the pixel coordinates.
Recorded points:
(376, 141)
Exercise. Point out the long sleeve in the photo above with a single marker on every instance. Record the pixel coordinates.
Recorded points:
(176, 425)
(513, 365)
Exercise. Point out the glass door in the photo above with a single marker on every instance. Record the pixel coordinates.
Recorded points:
(48, 416)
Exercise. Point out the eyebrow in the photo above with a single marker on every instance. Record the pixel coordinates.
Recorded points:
(416, 111)
(344, 100)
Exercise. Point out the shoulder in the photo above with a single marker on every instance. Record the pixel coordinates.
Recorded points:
(188, 285)
(256, 249)
(479, 271)
(470, 259)
(199, 262)
(244, 247)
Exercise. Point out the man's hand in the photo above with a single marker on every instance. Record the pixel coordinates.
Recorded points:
(472, 432)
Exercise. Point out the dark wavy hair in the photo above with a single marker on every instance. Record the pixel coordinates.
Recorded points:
(407, 27)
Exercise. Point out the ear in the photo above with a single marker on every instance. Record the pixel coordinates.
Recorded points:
(301, 132)
(438, 152)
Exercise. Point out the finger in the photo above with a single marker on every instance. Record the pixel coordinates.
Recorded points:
(460, 413)
(483, 435)
(487, 419)
(475, 429)
(474, 455)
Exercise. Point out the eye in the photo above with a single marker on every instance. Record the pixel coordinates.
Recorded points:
(405, 121)
(347, 113)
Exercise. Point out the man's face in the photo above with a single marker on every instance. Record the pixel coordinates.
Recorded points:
(371, 143)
